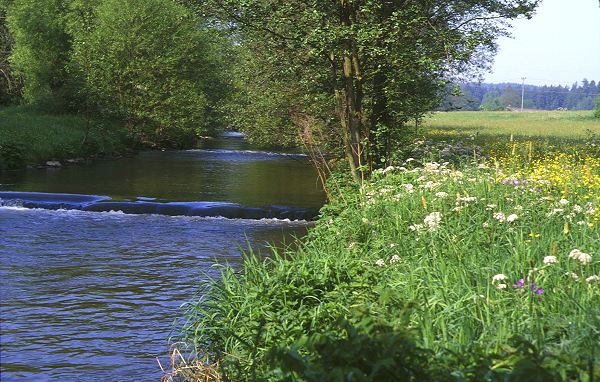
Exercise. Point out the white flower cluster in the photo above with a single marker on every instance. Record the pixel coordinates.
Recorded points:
(590, 209)
(593, 278)
(589, 280)
(429, 185)
(499, 216)
(498, 280)
(393, 260)
(503, 218)
(432, 221)
(511, 218)
(408, 187)
(387, 169)
(582, 257)
(416, 227)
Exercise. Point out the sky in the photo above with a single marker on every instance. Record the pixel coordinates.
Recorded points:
(558, 46)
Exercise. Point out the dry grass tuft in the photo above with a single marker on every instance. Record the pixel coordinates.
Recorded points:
(188, 370)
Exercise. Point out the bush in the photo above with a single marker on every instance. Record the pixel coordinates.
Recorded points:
(40, 51)
(12, 155)
(146, 61)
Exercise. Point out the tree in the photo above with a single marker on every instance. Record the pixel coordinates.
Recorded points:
(511, 97)
(491, 101)
(41, 49)
(149, 63)
(10, 86)
(597, 111)
(373, 64)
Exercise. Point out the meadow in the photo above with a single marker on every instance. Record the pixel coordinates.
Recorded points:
(462, 262)
(30, 137)
(570, 125)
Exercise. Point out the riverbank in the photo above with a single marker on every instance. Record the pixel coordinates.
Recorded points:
(476, 268)
(32, 137)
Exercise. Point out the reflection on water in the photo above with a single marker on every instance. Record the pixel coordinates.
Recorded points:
(216, 173)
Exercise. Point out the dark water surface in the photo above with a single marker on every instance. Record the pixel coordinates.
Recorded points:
(92, 296)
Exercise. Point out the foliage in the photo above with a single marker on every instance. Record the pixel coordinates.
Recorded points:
(151, 57)
(597, 111)
(265, 107)
(30, 136)
(369, 350)
(40, 51)
(10, 86)
(153, 64)
(368, 66)
(486, 269)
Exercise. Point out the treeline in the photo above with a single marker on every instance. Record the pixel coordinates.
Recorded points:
(337, 77)
(151, 64)
(481, 96)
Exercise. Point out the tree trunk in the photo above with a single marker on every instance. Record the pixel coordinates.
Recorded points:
(350, 101)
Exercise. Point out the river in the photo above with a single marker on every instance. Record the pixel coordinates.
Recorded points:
(97, 259)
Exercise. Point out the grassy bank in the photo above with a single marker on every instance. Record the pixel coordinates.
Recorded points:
(484, 268)
(540, 124)
(28, 136)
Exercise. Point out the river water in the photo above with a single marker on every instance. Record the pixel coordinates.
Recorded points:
(97, 259)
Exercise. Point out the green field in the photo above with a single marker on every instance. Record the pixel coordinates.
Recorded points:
(559, 124)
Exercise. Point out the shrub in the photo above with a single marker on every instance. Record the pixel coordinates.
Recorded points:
(147, 62)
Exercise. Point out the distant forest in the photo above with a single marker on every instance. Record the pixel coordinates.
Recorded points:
(482, 96)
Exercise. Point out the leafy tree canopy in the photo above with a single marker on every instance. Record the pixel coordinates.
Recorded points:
(368, 65)
(151, 63)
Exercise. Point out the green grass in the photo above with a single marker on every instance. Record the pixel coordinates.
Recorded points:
(381, 272)
(540, 124)
(28, 136)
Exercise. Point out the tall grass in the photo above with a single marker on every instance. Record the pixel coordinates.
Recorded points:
(29, 136)
(487, 270)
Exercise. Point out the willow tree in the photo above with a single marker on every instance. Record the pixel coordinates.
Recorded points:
(376, 63)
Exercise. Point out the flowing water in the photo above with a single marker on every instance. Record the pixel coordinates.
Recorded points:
(96, 259)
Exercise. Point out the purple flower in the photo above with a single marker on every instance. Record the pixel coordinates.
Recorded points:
(519, 284)
(532, 286)
(539, 291)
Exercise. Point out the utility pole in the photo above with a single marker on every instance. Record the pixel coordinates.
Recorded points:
(522, 92)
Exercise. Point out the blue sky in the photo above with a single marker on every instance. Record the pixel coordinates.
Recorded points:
(558, 46)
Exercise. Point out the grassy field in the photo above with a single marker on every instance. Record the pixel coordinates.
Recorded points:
(557, 124)
(469, 260)
(28, 136)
